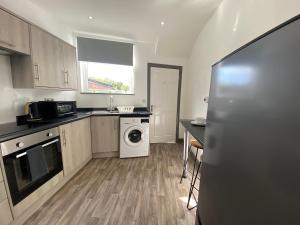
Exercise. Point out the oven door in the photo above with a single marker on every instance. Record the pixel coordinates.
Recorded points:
(28, 169)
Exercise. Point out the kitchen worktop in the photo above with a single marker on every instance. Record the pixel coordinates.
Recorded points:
(13, 130)
(198, 132)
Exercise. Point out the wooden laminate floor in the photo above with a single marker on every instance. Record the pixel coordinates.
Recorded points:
(112, 191)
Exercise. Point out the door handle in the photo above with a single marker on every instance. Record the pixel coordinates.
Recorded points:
(151, 108)
(20, 155)
(65, 76)
(64, 137)
(116, 124)
(36, 68)
(49, 143)
(67, 72)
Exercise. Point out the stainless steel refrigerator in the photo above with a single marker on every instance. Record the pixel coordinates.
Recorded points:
(251, 167)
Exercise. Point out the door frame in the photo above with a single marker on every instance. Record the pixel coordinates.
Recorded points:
(166, 66)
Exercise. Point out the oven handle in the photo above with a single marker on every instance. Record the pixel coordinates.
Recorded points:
(49, 143)
(20, 155)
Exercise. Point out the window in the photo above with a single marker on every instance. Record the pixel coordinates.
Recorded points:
(106, 78)
(106, 67)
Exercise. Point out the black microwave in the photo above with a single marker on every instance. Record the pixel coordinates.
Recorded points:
(55, 109)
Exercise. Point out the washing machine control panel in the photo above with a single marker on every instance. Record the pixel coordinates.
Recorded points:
(144, 120)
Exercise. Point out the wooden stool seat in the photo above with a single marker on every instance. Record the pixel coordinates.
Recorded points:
(196, 144)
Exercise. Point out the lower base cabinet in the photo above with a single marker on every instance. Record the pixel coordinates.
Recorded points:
(76, 144)
(5, 213)
(105, 136)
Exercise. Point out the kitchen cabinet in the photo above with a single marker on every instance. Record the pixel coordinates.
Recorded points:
(76, 144)
(105, 136)
(3, 195)
(1, 177)
(5, 211)
(47, 59)
(70, 66)
(52, 63)
(14, 33)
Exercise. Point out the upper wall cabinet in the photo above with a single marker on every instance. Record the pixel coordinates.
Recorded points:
(70, 66)
(47, 59)
(14, 33)
(52, 63)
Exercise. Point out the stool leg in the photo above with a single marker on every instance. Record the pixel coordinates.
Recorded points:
(185, 164)
(193, 181)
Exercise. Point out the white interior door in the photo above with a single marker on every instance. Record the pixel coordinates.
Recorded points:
(163, 102)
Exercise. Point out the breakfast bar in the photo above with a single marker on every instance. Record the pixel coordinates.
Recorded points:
(198, 132)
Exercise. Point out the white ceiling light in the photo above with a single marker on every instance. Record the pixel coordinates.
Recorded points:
(90, 17)
(162, 23)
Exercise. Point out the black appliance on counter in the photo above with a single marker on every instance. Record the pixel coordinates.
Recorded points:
(49, 109)
(30, 161)
(250, 173)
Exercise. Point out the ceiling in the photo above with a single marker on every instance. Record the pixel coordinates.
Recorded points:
(139, 20)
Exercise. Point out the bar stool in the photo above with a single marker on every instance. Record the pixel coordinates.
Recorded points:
(195, 172)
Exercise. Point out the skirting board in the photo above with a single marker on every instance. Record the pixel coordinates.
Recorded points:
(106, 154)
(36, 205)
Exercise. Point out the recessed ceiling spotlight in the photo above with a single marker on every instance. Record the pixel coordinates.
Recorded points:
(162, 23)
(90, 17)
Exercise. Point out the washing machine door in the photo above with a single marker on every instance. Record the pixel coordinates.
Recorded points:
(134, 136)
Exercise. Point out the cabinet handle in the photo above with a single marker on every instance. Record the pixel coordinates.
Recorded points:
(36, 69)
(66, 74)
(67, 77)
(7, 43)
(64, 137)
(116, 124)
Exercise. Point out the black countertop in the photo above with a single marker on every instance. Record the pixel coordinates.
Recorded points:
(196, 131)
(11, 130)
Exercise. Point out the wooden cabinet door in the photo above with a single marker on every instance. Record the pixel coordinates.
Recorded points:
(105, 134)
(47, 59)
(81, 136)
(5, 213)
(14, 33)
(70, 66)
(76, 144)
(66, 148)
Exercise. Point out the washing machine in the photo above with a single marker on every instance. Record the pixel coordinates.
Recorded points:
(134, 137)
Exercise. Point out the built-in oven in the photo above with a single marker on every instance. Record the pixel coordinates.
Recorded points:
(30, 161)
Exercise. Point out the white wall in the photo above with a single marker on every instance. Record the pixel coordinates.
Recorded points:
(232, 25)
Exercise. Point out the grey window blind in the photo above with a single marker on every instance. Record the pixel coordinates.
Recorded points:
(103, 51)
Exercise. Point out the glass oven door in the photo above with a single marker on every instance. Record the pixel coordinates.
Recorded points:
(28, 169)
